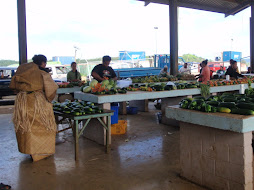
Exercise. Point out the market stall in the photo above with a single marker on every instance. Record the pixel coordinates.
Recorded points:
(169, 97)
(215, 148)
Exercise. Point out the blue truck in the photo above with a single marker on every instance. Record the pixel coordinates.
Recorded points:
(159, 62)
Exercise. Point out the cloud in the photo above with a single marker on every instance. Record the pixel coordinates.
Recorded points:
(106, 27)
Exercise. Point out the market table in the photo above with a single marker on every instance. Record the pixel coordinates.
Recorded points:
(171, 97)
(168, 97)
(215, 148)
(60, 117)
(67, 90)
(66, 93)
(143, 95)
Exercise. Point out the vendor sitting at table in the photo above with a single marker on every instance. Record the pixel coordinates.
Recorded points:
(185, 69)
(104, 71)
(164, 72)
(249, 71)
(232, 70)
(73, 75)
(221, 70)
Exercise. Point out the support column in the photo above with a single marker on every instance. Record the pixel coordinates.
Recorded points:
(252, 36)
(173, 24)
(21, 7)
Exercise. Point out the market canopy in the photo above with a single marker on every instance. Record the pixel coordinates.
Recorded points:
(227, 7)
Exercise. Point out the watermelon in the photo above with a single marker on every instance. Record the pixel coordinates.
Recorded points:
(93, 83)
(87, 89)
(105, 83)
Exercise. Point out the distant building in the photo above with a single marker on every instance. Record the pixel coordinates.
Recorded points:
(132, 55)
(65, 60)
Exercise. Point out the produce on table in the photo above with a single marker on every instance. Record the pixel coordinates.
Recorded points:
(76, 108)
(93, 83)
(109, 87)
(185, 77)
(154, 79)
(122, 90)
(105, 87)
(70, 84)
(145, 88)
(172, 78)
(242, 104)
(87, 89)
(185, 85)
(132, 88)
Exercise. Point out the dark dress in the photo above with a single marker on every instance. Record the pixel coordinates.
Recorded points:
(233, 73)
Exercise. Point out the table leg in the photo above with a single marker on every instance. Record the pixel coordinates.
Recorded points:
(76, 140)
(108, 139)
(122, 108)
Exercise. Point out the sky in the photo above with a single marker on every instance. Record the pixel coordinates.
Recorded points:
(102, 27)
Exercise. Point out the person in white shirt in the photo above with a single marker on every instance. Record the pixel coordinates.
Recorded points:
(184, 69)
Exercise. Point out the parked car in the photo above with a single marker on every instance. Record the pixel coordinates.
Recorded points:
(5, 78)
(58, 72)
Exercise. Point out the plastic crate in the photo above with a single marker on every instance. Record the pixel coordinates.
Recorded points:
(132, 110)
(120, 128)
(114, 118)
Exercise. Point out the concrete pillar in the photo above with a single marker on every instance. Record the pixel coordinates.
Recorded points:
(21, 6)
(252, 36)
(215, 158)
(173, 24)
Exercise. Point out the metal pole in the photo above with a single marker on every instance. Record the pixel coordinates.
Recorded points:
(156, 28)
(252, 36)
(173, 21)
(21, 7)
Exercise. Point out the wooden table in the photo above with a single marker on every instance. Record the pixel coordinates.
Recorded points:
(74, 122)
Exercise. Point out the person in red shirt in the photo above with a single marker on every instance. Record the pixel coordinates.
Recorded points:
(205, 74)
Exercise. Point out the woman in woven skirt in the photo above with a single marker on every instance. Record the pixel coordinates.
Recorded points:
(33, 116)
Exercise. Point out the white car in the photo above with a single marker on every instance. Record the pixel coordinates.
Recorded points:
(58, 72)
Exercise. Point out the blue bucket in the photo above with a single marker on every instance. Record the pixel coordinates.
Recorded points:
(114, 118)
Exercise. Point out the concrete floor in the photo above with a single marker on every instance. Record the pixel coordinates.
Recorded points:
(146, 158)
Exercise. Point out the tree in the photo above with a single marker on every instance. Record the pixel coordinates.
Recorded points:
(7, 62)
(192, 58)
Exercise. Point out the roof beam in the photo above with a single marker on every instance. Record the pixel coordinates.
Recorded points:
(201, 7)
(147, 2)
(239, 8)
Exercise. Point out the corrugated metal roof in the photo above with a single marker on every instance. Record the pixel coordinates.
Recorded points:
(228, 7)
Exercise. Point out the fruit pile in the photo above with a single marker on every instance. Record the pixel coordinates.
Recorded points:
(172, 78)
(185, 77)
(70, 84)
(64, 85)
(187, 85)
(105, 87)
(76, 108)
(212, 83)
(242, 104)
(150, 79)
